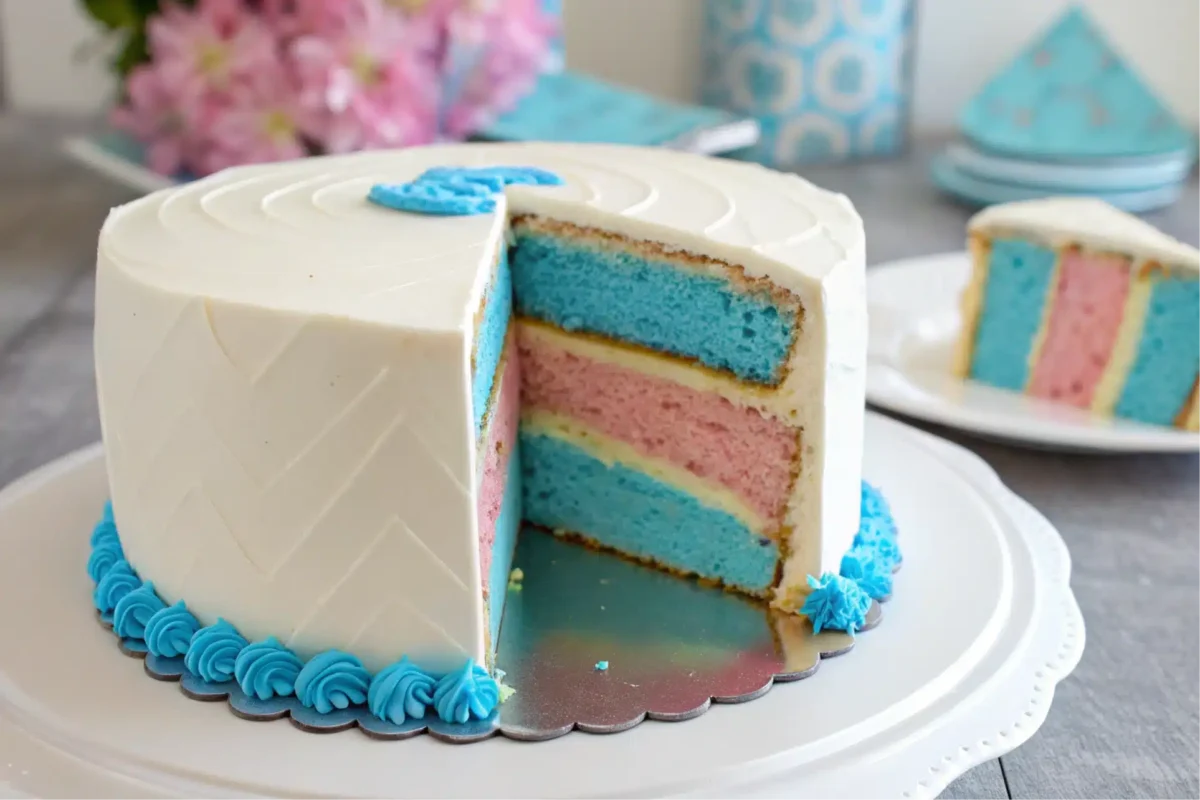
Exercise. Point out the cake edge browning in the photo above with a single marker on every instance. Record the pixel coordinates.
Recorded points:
(971, 304)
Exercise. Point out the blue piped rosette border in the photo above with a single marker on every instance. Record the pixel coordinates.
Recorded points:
(332, 692)
(266, 681)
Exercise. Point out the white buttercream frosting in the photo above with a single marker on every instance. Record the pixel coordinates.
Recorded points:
(1090, 222)
(284, 377)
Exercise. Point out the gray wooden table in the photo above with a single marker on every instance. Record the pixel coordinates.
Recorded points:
(1125, 724)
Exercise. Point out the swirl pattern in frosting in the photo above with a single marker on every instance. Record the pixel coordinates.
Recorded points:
(470, 693)
(213, 652)
(134, 611)
(332, 680)
(267, 669)
(169, 630)
(400, 691)
(118, 581)
(105, 553)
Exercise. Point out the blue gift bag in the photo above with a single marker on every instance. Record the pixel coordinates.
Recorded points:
(827, 79)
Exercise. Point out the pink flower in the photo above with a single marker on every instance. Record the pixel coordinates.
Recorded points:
(159, 118)
(366, 80)
(262, 120)
(517, 52)
(210, 47)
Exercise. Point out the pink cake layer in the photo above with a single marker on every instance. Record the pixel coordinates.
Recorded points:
(702, 432)
(496, 455)
(1088, 306)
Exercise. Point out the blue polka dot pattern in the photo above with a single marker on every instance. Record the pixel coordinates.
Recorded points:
(827, 79)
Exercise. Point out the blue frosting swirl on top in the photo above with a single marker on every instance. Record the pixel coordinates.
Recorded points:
(169, 630)
(134, 611)
(332, 680)
(118, 581)
(107, 513)
(400, 691)
(105, 553)
(457, 191)
(836, 603)
(467, 694)
(493, 178)
(267, 669)
(213, 652)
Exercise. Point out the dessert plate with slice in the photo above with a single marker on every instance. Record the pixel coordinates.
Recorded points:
(1081, 332)
(915, 706)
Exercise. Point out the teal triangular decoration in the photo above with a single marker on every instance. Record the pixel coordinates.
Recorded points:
(1070, 95)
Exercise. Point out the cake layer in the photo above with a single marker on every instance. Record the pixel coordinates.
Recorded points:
(705, 433)
(1088, 306)
(498, 495)
(491, 329)
(1163, 373)
(1020, 275)
(570, 489)
(700, 308)
(507, 528)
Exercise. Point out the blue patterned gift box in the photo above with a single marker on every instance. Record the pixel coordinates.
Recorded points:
(827, 79)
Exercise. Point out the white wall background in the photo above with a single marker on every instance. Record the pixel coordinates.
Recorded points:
(654, 45)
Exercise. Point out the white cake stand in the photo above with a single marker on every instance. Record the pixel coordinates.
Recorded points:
(962, 669)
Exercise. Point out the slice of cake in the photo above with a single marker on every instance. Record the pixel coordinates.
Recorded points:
(332, 390)
(1073, 301)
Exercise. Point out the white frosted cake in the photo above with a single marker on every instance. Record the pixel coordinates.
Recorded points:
(326, 418)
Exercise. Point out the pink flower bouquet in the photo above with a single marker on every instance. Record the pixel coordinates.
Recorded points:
(215, 83)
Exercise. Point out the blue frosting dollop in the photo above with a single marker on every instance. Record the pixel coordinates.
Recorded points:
(836, 603)
(470, 693)
(213, 652)
(457, 191)
(332, 680)
(169, 630)
(873, 503)
(267, 669)
(105, 531)
(118, 581)
(400, 691)
(861, 566)
(134, 611)
(105, 553)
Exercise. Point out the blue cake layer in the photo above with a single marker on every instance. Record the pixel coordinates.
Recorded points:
(651, 303)
(1168, 355)
(1019, 274)
(489, 340)
(507, 526)
(565, 488)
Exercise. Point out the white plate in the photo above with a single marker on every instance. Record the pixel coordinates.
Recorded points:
(914, 325)
(962, 669)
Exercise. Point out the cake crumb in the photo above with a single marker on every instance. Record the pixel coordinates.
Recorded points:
(514, 579)
(601, 666)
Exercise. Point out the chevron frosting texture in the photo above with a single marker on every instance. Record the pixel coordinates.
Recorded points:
(284, 373)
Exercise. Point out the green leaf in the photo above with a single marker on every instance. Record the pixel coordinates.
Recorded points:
(132, 54)
(114, 14)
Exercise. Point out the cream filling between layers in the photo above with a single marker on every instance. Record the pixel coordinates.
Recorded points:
(971, 305)
(1191, 419)
(1043, 331)
(1129, 336)
(612, 451)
